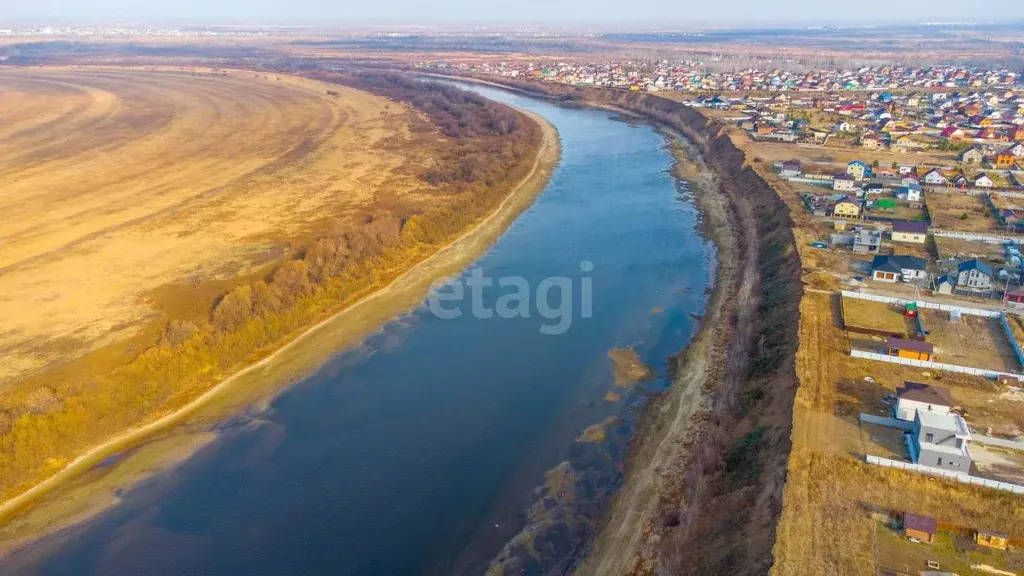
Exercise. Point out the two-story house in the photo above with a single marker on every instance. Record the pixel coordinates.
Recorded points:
(940, 441)
(914, 396)
(974, 276)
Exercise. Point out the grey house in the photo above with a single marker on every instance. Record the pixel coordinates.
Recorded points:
(974, 276)
(940, 441)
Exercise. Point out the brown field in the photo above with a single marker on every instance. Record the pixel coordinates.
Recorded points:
(121, 183)
(948, 210)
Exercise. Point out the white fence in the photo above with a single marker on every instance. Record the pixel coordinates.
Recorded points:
(986, 238)
(958, 476)
(923, 304)
(934, 365)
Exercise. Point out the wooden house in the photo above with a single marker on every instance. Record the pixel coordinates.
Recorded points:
(992, 539)
(921, 527)
(909, 349)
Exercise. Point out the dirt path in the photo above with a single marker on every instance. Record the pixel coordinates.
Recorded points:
(403, 293)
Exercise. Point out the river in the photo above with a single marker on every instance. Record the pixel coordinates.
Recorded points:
(419, 451)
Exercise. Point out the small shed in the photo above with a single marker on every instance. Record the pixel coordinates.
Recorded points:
(911, 349)
(992, 539)
(921, 527)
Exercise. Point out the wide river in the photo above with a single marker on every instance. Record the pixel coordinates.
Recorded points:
(419, 452)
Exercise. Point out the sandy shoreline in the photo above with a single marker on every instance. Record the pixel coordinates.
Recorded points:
(360, 318)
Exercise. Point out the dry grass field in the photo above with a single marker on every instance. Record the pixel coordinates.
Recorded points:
(121, 186)
(960, 212)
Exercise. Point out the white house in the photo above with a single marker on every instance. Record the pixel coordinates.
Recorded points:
(914, 396)
(934, 177)
(983, 181)
(897, 268)
(843, 183)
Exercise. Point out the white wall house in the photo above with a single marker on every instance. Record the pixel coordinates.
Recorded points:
(914, 397)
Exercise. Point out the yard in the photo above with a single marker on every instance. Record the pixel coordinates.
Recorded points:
(972, 341)
(902, 211)
(967, 249)
(960, 212)
(869, 315)
(998, 463)
(954, 552)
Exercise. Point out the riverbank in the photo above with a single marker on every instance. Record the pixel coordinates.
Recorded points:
(295, 358)
(705, 475)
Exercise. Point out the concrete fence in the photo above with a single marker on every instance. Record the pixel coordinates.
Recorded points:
(972, 237)
(883, 421)
(984, 313)
(934, 365)
(998, 442)
(950, 475)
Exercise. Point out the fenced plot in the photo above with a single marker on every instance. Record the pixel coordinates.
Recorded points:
(873, 318)
(970, 341)
(956, 211)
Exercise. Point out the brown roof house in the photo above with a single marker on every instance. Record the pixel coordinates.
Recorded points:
(914, 396)
(921, 527)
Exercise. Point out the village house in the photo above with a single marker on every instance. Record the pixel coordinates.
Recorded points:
(940, 441)
(897, 268)
(843, 183)
(909, 231)
(909, 349)
(846, 207)
(983, 181)
(911, 193)
(974, 276)
(791, 169)
(953, 133)
(1004, 160)
(972, 155)
(867, 241)
(857, 169)
(914, 396)
(934, 177)
(871, 142)
(920, 527)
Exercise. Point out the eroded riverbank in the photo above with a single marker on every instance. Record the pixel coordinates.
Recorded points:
(706, 473)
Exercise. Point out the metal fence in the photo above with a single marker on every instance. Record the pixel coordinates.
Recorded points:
(958, 476)
(934, 365)
(923, 304)
(1012, 338)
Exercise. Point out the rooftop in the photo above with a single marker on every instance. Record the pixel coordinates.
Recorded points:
(914, 345)
(936, 395)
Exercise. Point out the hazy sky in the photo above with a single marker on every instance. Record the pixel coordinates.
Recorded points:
(607, 11)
